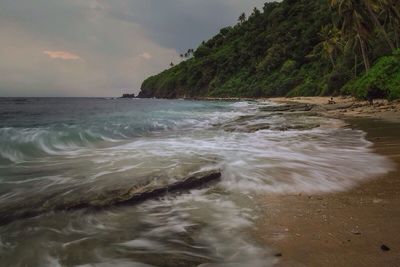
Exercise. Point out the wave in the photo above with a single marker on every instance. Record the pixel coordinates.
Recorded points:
(322, 159)
(281, 153)
(21, 144)
(287, 153)
(257, 152)
(31, 143)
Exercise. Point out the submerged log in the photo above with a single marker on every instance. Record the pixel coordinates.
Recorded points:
(117, 197)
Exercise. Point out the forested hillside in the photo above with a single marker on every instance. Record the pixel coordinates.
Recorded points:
(293, 47)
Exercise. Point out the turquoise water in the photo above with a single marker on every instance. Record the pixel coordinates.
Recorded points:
(35, 127)
(53, 149)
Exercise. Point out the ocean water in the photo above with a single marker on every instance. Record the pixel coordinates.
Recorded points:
(53, 149)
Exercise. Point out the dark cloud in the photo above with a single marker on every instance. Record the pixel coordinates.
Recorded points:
(183, 24)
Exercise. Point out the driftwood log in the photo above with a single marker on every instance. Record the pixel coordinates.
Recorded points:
(116, 197)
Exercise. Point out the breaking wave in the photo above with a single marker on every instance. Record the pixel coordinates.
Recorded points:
(55, 151)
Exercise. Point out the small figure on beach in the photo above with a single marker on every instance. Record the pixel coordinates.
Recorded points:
(331, 101)
(370, 100)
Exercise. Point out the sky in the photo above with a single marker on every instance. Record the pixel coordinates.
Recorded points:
(101, 47)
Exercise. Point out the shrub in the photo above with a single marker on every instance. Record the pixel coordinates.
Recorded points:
(382, 80)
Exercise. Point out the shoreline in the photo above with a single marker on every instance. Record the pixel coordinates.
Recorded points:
(348, 107)
(350, 228)
(344, 107)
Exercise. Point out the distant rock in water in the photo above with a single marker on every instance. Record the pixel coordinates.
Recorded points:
(128, 96)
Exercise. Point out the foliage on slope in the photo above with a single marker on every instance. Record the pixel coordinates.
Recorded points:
(382, 80)
(287, 49)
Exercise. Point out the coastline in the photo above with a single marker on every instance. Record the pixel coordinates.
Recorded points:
(344, 107)
(351, 228)
(349, 107)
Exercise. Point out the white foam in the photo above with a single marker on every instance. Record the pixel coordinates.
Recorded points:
(323, 159)
(317, 160)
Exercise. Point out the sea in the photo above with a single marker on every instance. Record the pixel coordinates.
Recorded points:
(54, 150)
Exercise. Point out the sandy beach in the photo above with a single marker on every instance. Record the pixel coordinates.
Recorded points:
(359, 227)
(348, 107)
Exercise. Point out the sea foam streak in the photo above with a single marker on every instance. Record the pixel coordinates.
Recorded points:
(164, 141)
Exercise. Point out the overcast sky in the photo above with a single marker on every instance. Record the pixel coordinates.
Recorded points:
(101, 47)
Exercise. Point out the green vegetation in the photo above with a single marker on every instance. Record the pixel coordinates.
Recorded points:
(293, 48)
(381, 81)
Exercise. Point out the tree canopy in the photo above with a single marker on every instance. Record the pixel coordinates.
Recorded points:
(290, 48)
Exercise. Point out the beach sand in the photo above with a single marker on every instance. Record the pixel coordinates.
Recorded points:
(353, 228)
(347, 107)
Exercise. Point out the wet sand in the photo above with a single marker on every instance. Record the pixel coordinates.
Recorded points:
(341, 229)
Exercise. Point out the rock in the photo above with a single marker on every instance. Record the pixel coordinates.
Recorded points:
(252, 128)
(339, 106)
(385, 248)
(243, 127)
(257, 127)
(138, 193)
(288, 108)
(355, 231)
(128, 96)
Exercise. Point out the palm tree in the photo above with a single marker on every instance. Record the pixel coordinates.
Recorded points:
(356, 25)
(391, 16)
(330, 42)
(242, 18)
(256, 12)
(351, 46)
(375, 7)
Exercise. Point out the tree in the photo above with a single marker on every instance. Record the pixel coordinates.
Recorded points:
(391, 16)
(356, 25)
(375, 7)
(351, 47)
(242, 18)
(256, 12)
(330, 42)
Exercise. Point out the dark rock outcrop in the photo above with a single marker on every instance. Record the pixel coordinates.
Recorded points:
(128, 96)
(288, 108)
(56, 202)
(259, 121)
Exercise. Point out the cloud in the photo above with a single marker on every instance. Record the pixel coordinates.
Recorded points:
(146, 56)
(96, 4)
(64, 55)
(114, 53)
(181, 24)
(121, 42)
